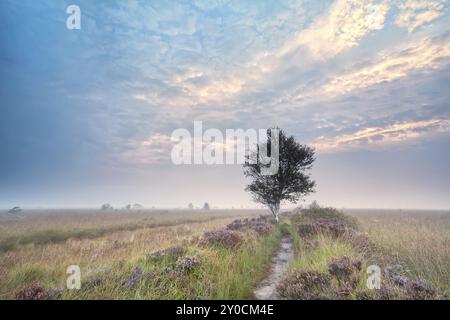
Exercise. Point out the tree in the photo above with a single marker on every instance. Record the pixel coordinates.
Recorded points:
(106, 206)
(15, 210)
(291, 181)
(314, 205)
(206, 206)
(190, 206)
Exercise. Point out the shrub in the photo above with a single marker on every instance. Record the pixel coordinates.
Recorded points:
(186, 264)
(35, 292)
(134, 278)
(238, 224)
(399, 286)
(306, 230)
(343, 268)
(311, 215)
(222, 237)
(420, 290)
(260, 225)
(361, 242)
(92, 282)
(305, 285)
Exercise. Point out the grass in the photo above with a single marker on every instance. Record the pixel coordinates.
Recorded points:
(420, 241)
(110, 252)
(47, 236)
(319, 257)
(222, 274)
(108, 246)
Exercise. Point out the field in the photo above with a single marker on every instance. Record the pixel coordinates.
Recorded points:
(190, 254)
(419, 240)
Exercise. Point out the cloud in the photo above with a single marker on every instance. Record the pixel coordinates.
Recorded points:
(395, 134)
(344, 25)
(341, 28)
(425, 55)
(155, 149)
(417, 13)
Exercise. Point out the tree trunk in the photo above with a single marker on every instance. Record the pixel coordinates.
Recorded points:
(275, 210)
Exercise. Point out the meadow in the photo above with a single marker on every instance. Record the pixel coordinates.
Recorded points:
(221, 254)
(418, 239)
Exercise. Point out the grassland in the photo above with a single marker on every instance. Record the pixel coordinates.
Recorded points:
(108, 246)
(412, 249)
(119, 253)
(419, 240)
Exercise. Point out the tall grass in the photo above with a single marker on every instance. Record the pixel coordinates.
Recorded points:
(222, 274)
(42, 237)
(419, 241)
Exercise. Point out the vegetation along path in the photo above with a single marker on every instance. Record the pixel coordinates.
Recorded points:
(267, 290)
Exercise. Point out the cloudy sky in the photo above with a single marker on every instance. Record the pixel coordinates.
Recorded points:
(86, 115)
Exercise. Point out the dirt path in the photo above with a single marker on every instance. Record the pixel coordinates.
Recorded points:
(280, 262)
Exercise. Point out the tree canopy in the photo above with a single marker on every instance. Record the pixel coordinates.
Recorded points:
(290, 183)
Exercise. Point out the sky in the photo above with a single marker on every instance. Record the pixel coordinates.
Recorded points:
(86, 116)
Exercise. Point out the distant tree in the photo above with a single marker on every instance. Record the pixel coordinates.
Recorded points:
(190, 206)
(15, 210)
(128, 207)
(290, 183)
(106, 206)
(138, 206)
(206, 206)
(314, 205)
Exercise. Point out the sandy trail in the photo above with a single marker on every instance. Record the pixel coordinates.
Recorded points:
(280, 262)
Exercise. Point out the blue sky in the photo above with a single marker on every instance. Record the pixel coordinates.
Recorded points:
(86, 115)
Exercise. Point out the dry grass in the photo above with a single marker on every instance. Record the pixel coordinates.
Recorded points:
(420, 240)
(121, 248)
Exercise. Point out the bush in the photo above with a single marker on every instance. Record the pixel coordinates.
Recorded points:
(260, 225)
(134, 278)
(36, 292)
(324, 214)
(222, 237)
(305, 285)
(414, 289)
(186, 264)
(344, 267)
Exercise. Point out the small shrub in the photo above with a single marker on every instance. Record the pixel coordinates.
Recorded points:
(305, 285)
(420, 290)
(186, 264)
(238, 224)
(343, 268)
(334, 227)
(92, 283)
(35, 292)
(306, 230)
(414, 289)
(134, 278)
(222, 237)
(260, 225)
(314, 214)
(367, 294)
(361, 242)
